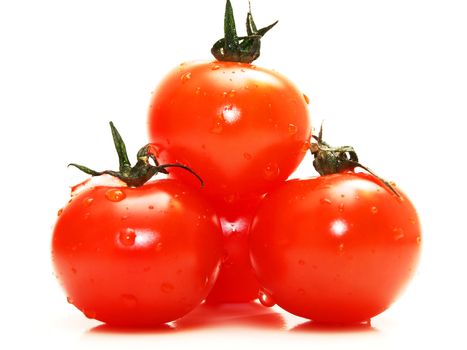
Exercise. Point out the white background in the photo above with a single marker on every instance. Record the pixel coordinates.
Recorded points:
(389, 77)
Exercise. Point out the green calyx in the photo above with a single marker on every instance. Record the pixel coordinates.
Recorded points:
(233, 48)
(141, 172)
(332, 160)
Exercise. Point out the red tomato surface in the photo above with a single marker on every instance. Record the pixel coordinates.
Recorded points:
(337, 248)
(137, 256)
(243, 128)
(237, 282)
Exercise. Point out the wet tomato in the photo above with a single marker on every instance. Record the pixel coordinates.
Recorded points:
(337, 249)
(130, 252)
(243, 128)
(137, 256)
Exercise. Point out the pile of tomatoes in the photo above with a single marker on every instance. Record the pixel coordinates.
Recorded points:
(225, 225)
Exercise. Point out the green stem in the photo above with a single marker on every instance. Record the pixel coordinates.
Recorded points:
(233, 48)
(139, 174)
(332, 160)
(120, 147)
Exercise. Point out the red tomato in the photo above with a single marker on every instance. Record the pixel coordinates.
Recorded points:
(243, 128)
(237, 282)
(338, 248)
(137, 256)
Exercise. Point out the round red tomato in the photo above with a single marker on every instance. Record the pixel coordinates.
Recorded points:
(243, 128)
(338, 248)
(137, 256)
(237, 282)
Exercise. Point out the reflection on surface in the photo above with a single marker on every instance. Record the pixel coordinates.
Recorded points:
(244, 315)
(317, 327)
(232, 315)
(108, 329)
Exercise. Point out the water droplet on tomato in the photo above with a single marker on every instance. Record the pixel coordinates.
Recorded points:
(215, 67)
(292, 129)
(127, 237)
(115, 195)
(341, 207)
(307, 100)
(399, 237)
(159, 246)
(167, 288)
(129, 300)
(218, 126)
(374, 210)
(185, 77)
(265, 298)
(88, 201)
(305, 147)
(230, 94)
(247, 156)
(271, 171)
(341, 247)
(198, 90)
(70, 300)
(89, 314)
(325, 201)
(124, 217)
(398, 233)
(86, 216)
(60, 211)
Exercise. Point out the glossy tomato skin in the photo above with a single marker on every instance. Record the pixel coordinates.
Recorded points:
(243, 128)
(236, 282)
(137, 256)
(335, 249)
